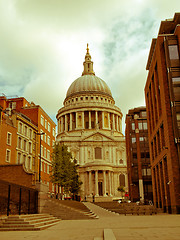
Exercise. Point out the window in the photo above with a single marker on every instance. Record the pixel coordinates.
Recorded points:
(98, 153)
(133, 139)
(53, 142)
(49, 127)
(30, 147)
(143, 114)
(133, 126)
(176, 80)
(144, 125)
(8, 155)
(48, 154)
(47, 168)
(45, 124)
(25, 130)
(121, 161)
(140, 125)
(54, 132)
(45, 152)
(42, 120)
(20, 127)
(19, 142)
(42, 152)
(173, 52)
(44, 167)
(41, 134)
(141, 139)
(9, 138)
(48, 140)
(45, 137)
(24, 145)
(30, 133)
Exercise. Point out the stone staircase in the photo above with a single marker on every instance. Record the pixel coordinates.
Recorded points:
(129, 208)
(68, 210)
(31, 222)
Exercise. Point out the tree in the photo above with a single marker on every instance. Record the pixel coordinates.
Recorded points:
(76, 183)
(64, 170)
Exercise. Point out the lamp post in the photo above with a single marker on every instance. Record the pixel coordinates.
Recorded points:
(40, 156)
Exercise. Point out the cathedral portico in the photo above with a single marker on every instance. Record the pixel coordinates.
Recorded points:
(91, 126)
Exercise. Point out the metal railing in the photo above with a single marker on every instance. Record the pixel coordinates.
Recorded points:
(17, 199)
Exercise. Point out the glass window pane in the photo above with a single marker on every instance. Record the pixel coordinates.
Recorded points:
(173, 52)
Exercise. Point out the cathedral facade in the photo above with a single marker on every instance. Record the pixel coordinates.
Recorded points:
(91, 126)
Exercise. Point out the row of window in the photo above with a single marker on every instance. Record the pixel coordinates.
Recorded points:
(86, 98)
(26, 131)
(47, 125)
(45, 152)
(45, 167)
(141, 139)
(141, 125)
(47, 139)
(24, 145)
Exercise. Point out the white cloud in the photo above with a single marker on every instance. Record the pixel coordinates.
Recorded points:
(43, 44)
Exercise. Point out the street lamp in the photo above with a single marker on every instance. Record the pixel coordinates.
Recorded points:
(40, 156)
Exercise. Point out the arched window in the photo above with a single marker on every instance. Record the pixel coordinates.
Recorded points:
(122, 180)
(98, 153)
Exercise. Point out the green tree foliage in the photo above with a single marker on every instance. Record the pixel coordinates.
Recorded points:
(76, 183)
(64, 169)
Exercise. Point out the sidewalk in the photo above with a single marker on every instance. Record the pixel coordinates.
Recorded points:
(162, 226)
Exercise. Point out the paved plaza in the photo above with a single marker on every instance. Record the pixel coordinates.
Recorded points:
(161, 226)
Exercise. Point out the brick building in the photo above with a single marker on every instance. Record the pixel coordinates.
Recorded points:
(138, 160)
(162, 93)
(21, 122)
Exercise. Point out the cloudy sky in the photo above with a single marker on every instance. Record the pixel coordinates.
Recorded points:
(43, 44)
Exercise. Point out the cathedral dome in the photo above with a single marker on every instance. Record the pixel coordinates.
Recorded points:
(88, 84)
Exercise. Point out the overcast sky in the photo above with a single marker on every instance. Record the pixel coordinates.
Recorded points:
(43, 45)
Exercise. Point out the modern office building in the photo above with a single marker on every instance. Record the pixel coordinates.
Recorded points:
(162, 93)
(89, 123)
(138, 159)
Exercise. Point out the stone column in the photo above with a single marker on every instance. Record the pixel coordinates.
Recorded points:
(76, 125)
(83, 120)
(104, 181)
(89, 119)
(66, 124)
(113, 183)
(120, 125)
(96, 184)
(96, 118)
(117, 125)
(113, 123)
(61, 124)
(109, 124)
(102, 120)
(90, 183)
(70, 128)
(110, 183)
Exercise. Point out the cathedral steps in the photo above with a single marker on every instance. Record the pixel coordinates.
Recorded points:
(68, 210)
(129, 208)
(31, 222)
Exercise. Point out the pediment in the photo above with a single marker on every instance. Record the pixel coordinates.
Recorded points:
(97, 137)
